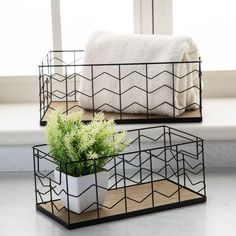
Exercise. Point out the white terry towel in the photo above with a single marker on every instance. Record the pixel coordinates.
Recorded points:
(131, 80)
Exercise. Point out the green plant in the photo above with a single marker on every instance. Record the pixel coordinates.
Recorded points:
(86, 146)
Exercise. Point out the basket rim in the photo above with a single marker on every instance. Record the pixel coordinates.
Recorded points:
(42, 65)
(123, 154)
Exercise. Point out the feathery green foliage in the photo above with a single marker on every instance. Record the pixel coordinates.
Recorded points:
(86, 144)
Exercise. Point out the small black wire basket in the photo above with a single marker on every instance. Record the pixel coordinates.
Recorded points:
(163, 168)
(61, 73)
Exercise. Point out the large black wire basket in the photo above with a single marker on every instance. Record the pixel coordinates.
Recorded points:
(162, 168)
(60, 75)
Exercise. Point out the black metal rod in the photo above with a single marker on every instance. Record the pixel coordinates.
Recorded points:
(115, 170)
(67, 195)
(47, 95)
(43, 94)
(147, 102)
(170, 140)
(184, 173)
(47, 81)
(173, 87)
(51, 199)
(66, 81)
(125, 193)
(96, 187)
(120, 103)
(66, 51)
(165, 154)
(75, 87)
(125, 64)
(50, 79)
(92, 89)
(203, 166)
(49, 65)
(38, 166)
(140, 157)
(40, 92)
(152, 188)
(200, 85)
(35, 181)
(177, 172)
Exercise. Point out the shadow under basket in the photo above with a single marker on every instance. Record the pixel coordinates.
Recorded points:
(163, 168)
(61, 72)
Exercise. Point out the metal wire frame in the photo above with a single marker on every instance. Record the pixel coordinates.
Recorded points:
(54, 70)
(173, 155)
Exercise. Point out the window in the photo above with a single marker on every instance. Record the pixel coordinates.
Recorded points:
(212, 25)
(30, 28)
(25, 35)
(79, 18)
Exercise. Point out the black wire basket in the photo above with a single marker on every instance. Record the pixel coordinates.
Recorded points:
(162, 168)
(61, 72)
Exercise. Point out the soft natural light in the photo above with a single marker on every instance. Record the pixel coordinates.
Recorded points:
(79, 18)
(212, 25)
(26, 35)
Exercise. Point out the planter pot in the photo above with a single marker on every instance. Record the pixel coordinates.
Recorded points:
(87, 201)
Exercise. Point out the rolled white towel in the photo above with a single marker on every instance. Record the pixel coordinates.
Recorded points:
(131, 80)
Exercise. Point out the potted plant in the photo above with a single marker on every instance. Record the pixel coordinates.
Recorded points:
(81, 152)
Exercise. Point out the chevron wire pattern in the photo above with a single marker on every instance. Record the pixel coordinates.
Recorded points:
(59, 82)
(157, 171)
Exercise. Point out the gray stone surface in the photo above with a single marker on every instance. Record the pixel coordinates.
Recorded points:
(216, 217)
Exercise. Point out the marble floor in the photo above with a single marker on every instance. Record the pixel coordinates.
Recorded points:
(216, 217)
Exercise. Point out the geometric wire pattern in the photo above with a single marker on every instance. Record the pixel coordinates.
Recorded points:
(162, 168)
(59, 83)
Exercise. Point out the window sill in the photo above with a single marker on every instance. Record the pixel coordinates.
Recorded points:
(19, 124)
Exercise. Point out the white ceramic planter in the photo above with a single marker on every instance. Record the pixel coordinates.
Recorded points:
(76, 186)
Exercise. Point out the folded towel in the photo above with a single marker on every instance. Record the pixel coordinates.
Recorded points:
(142, 86)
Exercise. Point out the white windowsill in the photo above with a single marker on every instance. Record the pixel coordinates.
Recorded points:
(19, 123)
